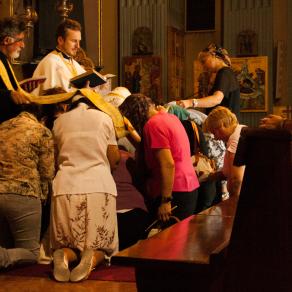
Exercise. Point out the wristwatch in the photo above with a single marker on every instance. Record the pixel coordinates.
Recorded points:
(166, 199)
(195, 103)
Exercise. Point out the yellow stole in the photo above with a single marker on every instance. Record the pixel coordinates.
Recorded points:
(94, 97)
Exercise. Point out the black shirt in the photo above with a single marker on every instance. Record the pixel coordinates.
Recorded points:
(226, 82)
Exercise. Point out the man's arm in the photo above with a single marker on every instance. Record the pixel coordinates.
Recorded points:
(276, 122)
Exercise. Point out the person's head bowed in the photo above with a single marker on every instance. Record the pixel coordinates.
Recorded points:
(136, 108)
(221, 122)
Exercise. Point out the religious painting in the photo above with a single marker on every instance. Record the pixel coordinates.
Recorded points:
(142, 43)
(142, 74)
(247, 44)
(252, 75)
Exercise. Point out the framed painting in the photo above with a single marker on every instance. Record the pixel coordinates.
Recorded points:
(142, 74)
(252, 75)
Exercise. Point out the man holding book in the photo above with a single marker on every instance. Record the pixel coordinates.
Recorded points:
(59, 66)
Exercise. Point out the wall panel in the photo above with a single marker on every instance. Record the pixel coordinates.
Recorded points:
(256, 15)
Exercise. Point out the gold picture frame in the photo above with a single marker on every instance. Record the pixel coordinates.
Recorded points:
(252, 75)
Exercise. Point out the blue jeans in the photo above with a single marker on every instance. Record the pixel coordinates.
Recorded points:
(22, 216)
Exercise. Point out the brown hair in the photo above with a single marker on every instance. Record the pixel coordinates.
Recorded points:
(66, 24)
(136, 108)
(50, 110)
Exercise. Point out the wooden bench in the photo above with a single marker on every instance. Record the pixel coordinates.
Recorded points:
(257, 229)
(182, 257)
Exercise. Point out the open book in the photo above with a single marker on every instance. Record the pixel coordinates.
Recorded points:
(30, 84)
(92, 76)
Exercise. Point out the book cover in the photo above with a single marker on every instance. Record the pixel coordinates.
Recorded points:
(30, 84)
(92, 76)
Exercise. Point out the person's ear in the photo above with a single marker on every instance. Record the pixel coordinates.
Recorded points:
(7, 40)
(60, 40)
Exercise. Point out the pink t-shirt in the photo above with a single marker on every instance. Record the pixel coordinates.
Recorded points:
(165, 131)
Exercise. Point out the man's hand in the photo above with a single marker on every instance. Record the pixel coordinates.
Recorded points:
(164, 211)
(271, 122)
(19, 98)
(31, 84)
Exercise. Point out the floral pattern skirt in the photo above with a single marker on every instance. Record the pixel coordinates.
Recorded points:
(83, 221)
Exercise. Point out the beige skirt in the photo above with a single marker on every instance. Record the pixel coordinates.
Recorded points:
(84, 221)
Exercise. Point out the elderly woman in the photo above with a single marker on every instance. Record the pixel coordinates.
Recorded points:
(225, 90)
(224, 125)
(83, 216)
(172, 180)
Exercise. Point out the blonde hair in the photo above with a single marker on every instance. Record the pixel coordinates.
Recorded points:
(217, 51)
(219, 116)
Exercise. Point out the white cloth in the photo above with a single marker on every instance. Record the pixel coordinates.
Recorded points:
(57, 71)
(231, 146)
(82, 136)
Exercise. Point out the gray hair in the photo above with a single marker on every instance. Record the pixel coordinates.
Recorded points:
(11, 26)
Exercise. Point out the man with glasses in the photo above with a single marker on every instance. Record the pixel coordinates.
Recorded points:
(12, 33)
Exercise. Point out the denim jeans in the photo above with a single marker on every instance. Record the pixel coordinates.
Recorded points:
(22, 216)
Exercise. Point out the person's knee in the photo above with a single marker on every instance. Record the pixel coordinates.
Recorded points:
(36, 252)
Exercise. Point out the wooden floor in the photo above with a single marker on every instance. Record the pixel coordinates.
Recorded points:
(37, 284)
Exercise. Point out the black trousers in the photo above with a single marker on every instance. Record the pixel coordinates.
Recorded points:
(185, 202)
(131, 226)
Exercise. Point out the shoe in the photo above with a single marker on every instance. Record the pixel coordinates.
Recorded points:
(82, 271)
(61, 269)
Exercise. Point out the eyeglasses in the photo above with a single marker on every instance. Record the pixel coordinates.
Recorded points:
(15, 40)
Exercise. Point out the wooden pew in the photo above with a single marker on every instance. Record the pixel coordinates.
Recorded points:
(185, 256)
(259, 255)
(256, 231)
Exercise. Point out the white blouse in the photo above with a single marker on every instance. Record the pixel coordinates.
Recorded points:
(82, 137)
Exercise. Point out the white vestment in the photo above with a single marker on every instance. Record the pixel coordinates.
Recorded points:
(58, 71)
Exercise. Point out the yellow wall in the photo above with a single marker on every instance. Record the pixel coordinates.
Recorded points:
(110, 38)
(109, 35)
